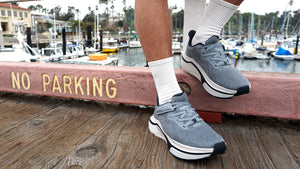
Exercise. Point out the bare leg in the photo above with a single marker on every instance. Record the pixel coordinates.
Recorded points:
(153, 23)
(152, 18)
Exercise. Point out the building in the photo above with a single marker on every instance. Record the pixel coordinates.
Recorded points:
(10, 14)
(42, 22)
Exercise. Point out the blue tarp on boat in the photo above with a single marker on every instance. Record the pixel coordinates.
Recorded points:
(282, 51)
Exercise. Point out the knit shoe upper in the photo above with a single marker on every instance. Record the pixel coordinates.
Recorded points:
(211, 66)
(187, 135)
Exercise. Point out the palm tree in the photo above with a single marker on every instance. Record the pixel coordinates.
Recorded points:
(106, 10)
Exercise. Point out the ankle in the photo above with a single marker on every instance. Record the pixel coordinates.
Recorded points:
(165, 80)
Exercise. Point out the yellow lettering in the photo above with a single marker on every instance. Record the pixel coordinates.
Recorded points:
(15, 80)
(56, 85)
(27, 79)
(67, 84)
(113, 89)
(77, 84)
(88, 86)
(45, 82)
(98, 87)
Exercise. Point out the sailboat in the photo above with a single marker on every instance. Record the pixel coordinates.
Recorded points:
(20, 52)
(283, 54)
(287, 48)
(249, 49)
(287, 45)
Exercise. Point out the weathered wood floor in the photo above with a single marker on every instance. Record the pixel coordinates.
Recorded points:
(44, 132)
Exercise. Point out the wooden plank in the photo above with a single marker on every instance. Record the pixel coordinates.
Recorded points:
(256, 143)
(86, 134)
(244, 147)
(109, 141)
(290, 134)
(2, 100)
(274, 95)
(127, 144)
(23, 111)
(46, 143)
(277, 149)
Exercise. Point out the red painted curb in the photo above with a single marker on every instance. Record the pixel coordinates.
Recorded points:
(273, 94)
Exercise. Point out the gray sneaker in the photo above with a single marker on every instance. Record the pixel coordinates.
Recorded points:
(210, 65)
(186, 134)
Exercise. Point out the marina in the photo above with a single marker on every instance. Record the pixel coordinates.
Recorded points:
(136, 57)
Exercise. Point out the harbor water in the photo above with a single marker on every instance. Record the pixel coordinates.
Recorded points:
(136, 57)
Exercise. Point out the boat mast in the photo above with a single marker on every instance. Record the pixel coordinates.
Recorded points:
(272, 25)
(130, 24)
(55, 32)
(97, 31)
(252, 25)
(249, 29)
(240, 27)
(287, 25)
(79, 38)
(1, 38)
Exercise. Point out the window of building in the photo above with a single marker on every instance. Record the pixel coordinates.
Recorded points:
(26, 15)
(9, 13)
(15, 14)
(2, 12)
(4, 26)
(21, 14)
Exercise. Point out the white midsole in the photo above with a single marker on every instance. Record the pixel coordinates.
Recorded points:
(195, 73)
(215, 93)
(186, 156)
(157, 132)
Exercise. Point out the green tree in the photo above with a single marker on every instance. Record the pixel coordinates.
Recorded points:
(128, 14)
(57, 11)
(32, 7)
(295, 22)
(48, 25)
(90, 17)
(70, 15)
(15, 3)
(74, 24)
(38, 8)
(177, 20)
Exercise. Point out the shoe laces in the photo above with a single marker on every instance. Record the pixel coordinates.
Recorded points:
(217, 55)
(185, 112)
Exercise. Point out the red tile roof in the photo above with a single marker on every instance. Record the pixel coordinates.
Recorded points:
(6, 5)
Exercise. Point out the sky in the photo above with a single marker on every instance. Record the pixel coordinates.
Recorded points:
(257, 6)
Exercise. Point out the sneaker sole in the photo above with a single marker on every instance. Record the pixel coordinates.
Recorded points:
(180, 150)
(192, 67)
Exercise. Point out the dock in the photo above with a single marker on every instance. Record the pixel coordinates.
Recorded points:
(90, 116)
(50, 132)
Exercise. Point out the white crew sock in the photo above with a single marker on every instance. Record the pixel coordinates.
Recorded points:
(216, 15)
(165, 80)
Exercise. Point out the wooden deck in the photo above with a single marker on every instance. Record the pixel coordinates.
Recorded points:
(47, 132)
